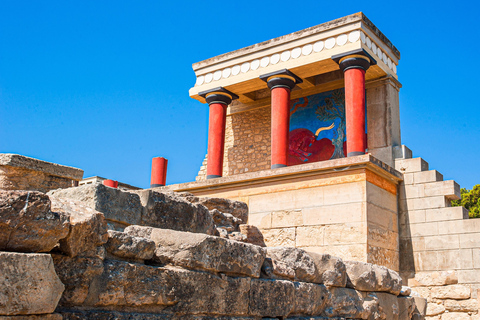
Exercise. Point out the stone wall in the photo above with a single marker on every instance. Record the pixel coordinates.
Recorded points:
(247, 143)
(23, 173)
(144, 272)
(439, 244)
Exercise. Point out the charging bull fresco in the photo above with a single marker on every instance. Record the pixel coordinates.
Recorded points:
(317, 128)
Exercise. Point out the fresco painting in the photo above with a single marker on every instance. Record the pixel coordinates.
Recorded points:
(317, 128)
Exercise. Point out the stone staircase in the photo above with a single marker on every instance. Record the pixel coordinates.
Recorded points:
(436, 239)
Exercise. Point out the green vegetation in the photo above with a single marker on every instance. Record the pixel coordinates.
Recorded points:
(470, 200)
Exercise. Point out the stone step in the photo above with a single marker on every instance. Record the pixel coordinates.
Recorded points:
(422, 177)
(411, 165)
(449, 189)
(402, 152)
(424, 203)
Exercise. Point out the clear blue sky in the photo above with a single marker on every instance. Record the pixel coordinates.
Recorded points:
(103, 85)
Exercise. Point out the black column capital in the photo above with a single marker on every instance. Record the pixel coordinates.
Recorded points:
(218, 95)
(356, 59)
(282, 78)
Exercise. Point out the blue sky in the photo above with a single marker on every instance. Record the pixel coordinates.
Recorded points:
(103, 85)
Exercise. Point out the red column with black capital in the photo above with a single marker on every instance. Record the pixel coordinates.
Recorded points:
(218, 100)
(280, 84)
(354, 68)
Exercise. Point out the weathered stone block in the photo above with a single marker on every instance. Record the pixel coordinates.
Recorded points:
(28, 284)
(27, 223)
(455, 316)
(310, 299)
(252, 234)
(456, 291)
(284, 237)
(125, 246)
(117, 205)
(50, 316)
(406, 307)
(77, 274)
(346, 303)
(434, 309)
(271, 298)
(388, 305)
(238, 209)
(332, 269)
(171, 211)
(88, 228)
(292, 263)
(200, 251)
(18, 172)
(470, 305)
(360, 276)
(411, 165)
(437, 278)
(310, 236)
(427, 176)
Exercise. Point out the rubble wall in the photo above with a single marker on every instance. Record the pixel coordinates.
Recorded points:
(145, 272)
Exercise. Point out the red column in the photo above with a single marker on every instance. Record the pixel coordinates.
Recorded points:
(354, 68)
(216, 139)
(280, 84)
(110, 183)
(280, 126)
(159, 172)
(218, 100)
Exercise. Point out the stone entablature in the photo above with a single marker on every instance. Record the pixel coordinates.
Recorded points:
(306, 53)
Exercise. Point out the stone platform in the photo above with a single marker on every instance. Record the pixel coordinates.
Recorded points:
(346, 207)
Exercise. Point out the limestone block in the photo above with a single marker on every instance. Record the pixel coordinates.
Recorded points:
(470, 305)
(455, 316)
(88, 228)
(459, 226)
(449, 189)
(347, 252)
(27, 223)
(345, 234)
(344, 213)
(442, 242)
(309, 236)
(18, 172)
(343, 193)
(271, 298)
(426, 261)
(384, 257)
(388, 305)
(287, 218)
(346, 303)
(412, 191)
(411, 165)
(405, 291)
(360, 276)
(437, 278)
(382, 217)
(287, 200)
(381, 198)
(238, 209)
(424, 229)
(171, 211)
(384, 154)
(470, 240)
(261, 220)
(457, 292)
(402, 152)
(125, 246)
(407, 179)
(77, 274)
(427, 176)
(252, 234)
(293, 264)
(406, 307)
(28, 284)
(332, 269)
(387, 280)
(446, 214)
(476, 258)
(456, 259)
(383, 238)
(310, 299)
(115, 204)
(428, 203)
(200, 251)
(283, 237)
(468, 276)
(434, 309)
(411, 217)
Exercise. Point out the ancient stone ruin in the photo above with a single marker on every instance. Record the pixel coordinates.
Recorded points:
(297, 212)
(96, 252)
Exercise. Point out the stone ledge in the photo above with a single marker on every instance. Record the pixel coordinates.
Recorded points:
(19, 161)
